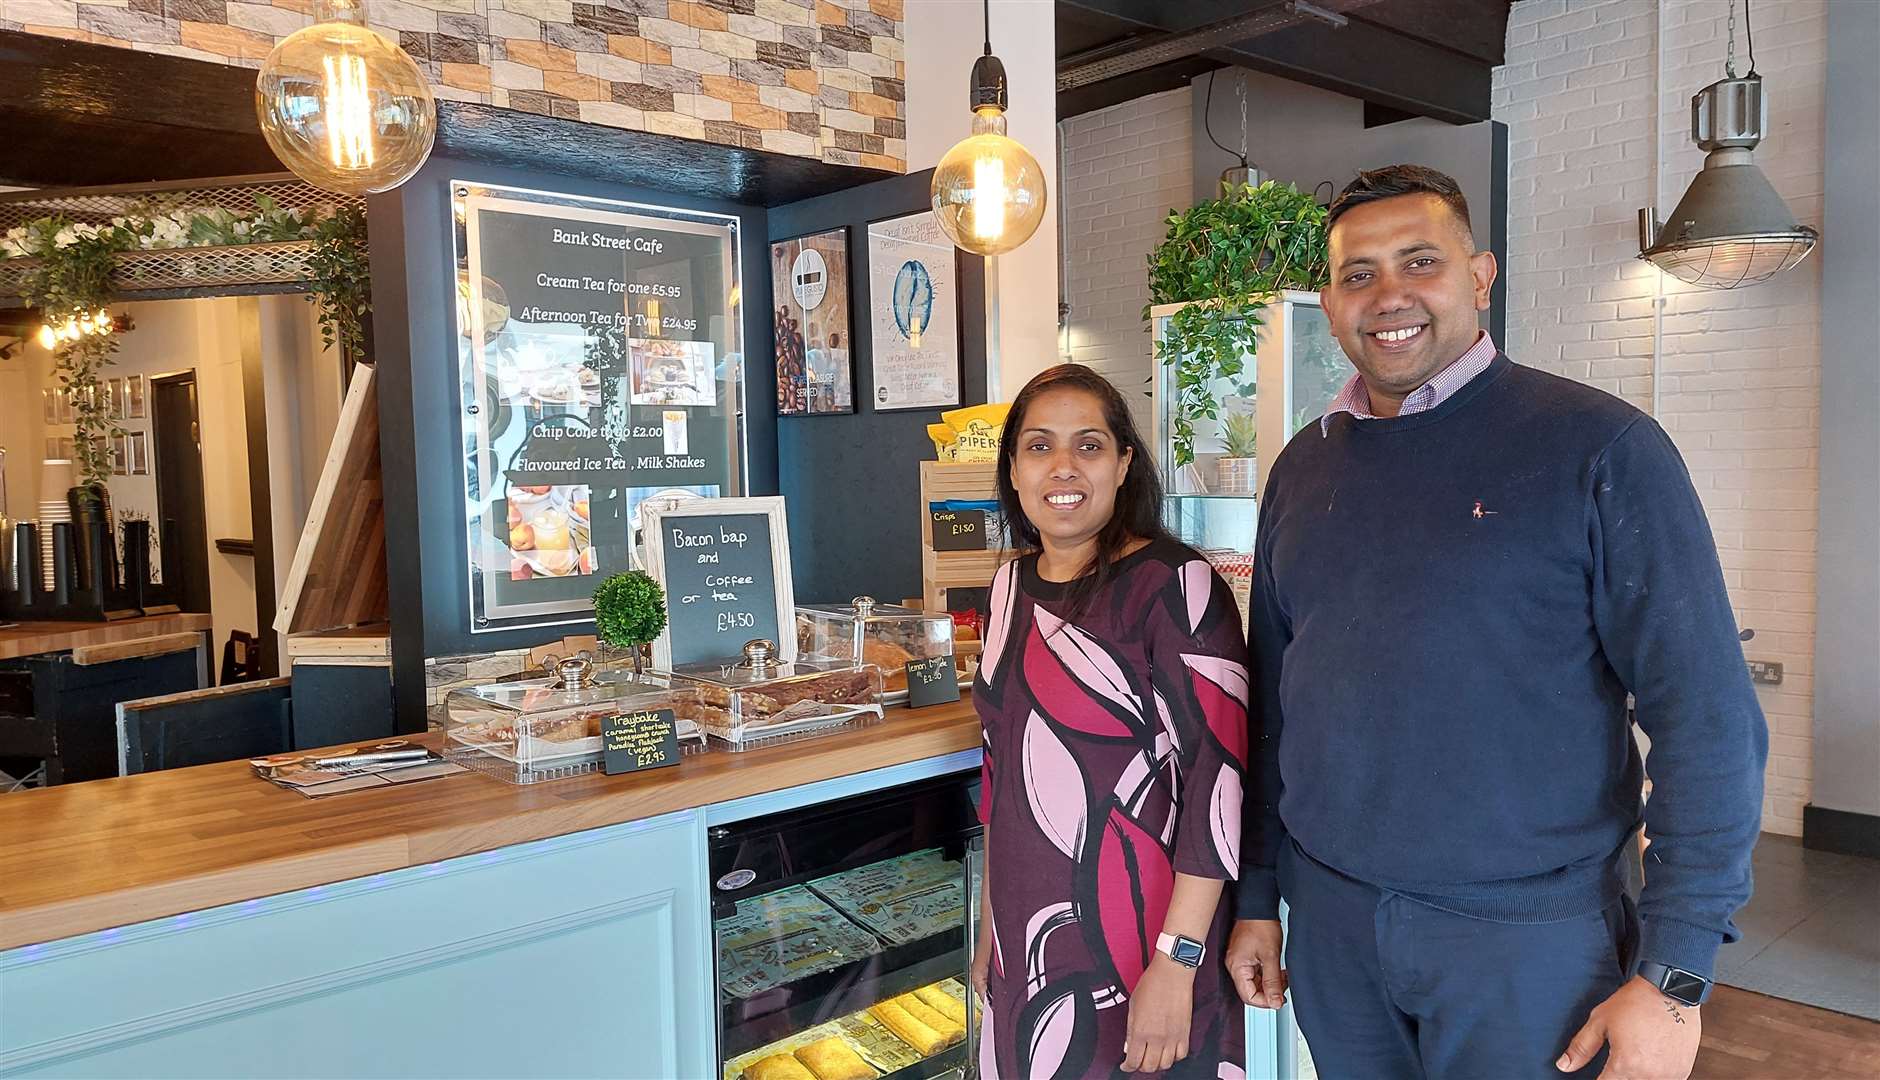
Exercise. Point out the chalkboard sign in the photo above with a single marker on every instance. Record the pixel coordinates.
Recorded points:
(931, 681)
(725, 566)
(959, 530)
(639, 740)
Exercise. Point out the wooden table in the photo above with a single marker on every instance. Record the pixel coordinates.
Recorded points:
(33, 638)
(109, 853)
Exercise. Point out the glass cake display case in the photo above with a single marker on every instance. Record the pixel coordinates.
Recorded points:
(844, 937)
(530, 730)
(760, 700)
(1295, 372)
(885, 635)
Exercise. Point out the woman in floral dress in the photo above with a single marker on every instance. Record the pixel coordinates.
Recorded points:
(1113, 694)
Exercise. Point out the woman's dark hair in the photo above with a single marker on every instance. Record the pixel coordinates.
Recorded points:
(1138, 510)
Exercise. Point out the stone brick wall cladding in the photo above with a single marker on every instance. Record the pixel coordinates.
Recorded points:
(1592, 98)
(816, 78)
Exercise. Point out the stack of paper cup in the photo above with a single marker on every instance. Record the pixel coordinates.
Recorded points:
(55, 478)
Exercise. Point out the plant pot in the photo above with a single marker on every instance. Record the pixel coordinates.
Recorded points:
(1236, 475)
(91, 504)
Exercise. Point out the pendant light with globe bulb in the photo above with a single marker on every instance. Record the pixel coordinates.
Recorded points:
(988, 191)
(343, 106)
(1730, 228)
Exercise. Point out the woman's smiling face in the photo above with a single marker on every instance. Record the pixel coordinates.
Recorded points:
(1068, 467)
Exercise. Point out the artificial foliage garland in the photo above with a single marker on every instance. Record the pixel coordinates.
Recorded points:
(72, 279)
(1228, 258)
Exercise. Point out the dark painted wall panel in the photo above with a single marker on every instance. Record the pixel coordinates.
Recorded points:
(853, 482)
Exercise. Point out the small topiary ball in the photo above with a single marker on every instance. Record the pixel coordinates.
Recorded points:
(629, 609)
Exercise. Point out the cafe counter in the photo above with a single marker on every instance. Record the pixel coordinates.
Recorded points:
(204, 922)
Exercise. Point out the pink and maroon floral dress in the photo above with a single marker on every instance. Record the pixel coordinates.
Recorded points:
(1115, 739)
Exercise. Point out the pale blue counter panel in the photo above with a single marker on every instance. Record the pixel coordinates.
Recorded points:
(585, 955)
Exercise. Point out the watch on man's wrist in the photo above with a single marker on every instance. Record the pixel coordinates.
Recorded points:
(1679, 985)
(1185, 951)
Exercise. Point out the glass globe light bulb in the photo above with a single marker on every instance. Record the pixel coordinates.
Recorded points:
(48, 338)
(343, 106)
(988, 191)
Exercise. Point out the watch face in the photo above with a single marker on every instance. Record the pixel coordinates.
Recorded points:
(1684, 986)
(1186, 952)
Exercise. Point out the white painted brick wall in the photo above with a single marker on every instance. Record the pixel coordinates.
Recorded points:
(1125, 168)
(1590, 112)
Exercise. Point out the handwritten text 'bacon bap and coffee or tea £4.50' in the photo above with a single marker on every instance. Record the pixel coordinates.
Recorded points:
(721, 584)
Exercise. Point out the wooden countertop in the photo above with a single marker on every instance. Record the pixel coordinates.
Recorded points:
(85, 857)
(33, 638)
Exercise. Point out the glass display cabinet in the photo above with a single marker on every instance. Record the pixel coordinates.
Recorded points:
(1295, 371)
(845, 934)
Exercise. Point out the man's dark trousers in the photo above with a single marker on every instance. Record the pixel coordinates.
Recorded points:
(1386, 987)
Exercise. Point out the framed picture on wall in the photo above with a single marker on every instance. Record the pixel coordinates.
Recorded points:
(49, 402)
(810, 294)
(120, 455)
(914, 314)
(138, 452)
(114, 398)
(135, 388)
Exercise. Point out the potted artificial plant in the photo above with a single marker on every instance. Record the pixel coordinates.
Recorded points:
(1236, 470)
(1223, 260)
(629, 612)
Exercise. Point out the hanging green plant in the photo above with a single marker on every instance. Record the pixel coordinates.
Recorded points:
(340, 275)
(1227, 258)
(70, 282)
(70, 286)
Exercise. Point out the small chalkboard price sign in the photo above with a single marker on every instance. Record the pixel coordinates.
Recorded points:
(959, 530)
(725, 566)
(931, 681)
(639, 740)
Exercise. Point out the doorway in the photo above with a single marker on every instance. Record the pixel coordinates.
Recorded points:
(176, 430)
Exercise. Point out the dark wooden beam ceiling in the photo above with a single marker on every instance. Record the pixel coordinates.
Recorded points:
(1423, 57)
(74, 114)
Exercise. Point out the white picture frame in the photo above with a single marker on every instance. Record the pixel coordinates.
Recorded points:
(913, 272)
(136, 396)
(656, 514)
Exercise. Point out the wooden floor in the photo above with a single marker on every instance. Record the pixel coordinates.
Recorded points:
(1751, 1037)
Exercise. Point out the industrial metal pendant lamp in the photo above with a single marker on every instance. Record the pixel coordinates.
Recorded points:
(343, 106)
(988, 191)
(1730, 228)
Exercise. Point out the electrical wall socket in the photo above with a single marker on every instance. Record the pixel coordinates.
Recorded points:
(1765, 672)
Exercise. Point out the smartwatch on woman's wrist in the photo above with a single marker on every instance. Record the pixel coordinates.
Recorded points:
(1185, 951)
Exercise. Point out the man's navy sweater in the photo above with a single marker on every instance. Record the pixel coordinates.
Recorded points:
(1449, 609)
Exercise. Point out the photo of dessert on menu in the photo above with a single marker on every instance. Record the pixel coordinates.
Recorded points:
(667, 372)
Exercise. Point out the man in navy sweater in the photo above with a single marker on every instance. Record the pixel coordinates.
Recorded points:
(1461, 572)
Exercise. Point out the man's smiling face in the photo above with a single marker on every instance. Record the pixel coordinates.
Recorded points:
(1406, 282)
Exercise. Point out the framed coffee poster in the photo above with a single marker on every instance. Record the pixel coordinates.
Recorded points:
(810, 297)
